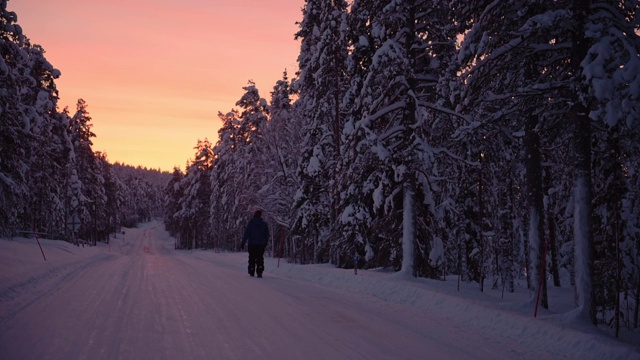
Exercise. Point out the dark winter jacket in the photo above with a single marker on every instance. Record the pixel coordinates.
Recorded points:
(257, 232)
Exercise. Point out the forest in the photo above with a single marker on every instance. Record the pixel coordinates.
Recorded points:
(494, 141)
(52, 184)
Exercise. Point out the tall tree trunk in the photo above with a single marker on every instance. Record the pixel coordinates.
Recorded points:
(408, 229)
(337, 122)
(582, 229)
(536, 208)
(514, 236)
(407, 152)
(480, 222)
(551, 225)
(636, 311)
(618, 271)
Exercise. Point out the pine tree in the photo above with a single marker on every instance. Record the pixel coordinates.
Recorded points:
(510, 69)
(39, 98)
(319, 87)
(394, 106)
(226, 188)
(48, 171)
(362, 182)
(194, 204)
(609, 88)
(14, 140)
(240, 167)
(88, 189)
(281, 157)
(251, 150)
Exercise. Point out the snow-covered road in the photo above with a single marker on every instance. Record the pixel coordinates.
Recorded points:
(141, 299)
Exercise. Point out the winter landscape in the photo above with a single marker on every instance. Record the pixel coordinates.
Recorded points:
(441, 179)
(139, 298)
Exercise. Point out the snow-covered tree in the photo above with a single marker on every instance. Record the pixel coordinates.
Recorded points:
(541, 64)
(38, 105)
(281, 156)
(226, 192)
(48, 170)
(194, 203)
(506, 100)
(319, 87)
(90, 186)
(251, 146)
(240, 167)
(173, 192)
(395, 109)
(605, 60)
(27, 115)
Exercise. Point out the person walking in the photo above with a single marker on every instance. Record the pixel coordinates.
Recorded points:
(256, 235)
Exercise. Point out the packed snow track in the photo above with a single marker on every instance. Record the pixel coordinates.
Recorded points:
(140, 299)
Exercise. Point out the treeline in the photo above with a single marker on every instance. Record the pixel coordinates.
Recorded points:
(496, 141)
(51, 181)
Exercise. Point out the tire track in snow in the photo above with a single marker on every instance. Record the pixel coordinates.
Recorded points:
(17, 297)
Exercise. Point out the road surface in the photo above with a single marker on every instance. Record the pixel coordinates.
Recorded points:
(142, 299)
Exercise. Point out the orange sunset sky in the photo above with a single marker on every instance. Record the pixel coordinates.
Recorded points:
(155, 73)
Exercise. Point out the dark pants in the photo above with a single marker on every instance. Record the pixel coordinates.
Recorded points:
(256, 259)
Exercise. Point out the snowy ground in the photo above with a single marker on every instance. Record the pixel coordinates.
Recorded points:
(140, 299)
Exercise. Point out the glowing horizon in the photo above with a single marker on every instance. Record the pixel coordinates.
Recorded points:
(155, 74)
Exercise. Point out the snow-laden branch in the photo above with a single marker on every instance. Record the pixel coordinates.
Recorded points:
(432, 106)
